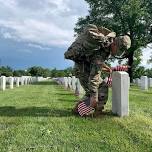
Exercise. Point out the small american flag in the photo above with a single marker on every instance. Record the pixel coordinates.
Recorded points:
(120, 68)
(83, 109)
(117, 68)
(109, 82)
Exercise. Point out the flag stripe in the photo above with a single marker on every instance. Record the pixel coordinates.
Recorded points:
(83, 109)
(117, 68)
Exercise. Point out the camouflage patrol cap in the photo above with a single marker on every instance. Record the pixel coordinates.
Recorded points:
(123, 44)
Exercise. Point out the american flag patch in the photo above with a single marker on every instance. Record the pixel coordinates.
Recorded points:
(83, 109)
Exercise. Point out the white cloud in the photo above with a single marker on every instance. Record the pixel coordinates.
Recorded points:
(7, 35)
(41, 21)
(40, 47)
(146, 56)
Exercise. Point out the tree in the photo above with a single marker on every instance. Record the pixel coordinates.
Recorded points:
(19, 73)
(136, 64)
(62, 73)
(6, 71)
(122, 16)
(140, 71)
(39, 71)
(148, 73)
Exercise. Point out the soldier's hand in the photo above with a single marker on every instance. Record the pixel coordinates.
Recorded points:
(107, 69)
(110, 71)
(93, 102)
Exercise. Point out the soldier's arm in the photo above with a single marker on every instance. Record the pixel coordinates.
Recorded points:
(107, 32)
(103, 66)
(94, 34)
(104, 30)
(106, 68)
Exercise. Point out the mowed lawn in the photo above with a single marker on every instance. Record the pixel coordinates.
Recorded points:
(38, 118)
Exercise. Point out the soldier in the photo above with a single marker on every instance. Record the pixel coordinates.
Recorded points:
(89, 52)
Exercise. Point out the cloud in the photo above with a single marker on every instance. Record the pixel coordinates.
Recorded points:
(40, 47)
(146, 56)
(44, 22)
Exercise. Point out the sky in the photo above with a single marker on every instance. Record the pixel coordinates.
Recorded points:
(38, 32)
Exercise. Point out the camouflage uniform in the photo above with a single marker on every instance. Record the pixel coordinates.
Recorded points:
(87, 50)
(89, 73)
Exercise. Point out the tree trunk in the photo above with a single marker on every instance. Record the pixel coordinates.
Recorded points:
(130, 63)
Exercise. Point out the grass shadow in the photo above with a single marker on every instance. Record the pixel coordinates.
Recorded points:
(45, 83)
(34, 112)
(11, 111)
(69, 100)
(105, 113)
(64, 94)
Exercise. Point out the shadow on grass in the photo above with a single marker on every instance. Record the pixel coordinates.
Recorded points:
(34, 112)
(69, 100)
(11, 111)
(45, 83)
(64, 94)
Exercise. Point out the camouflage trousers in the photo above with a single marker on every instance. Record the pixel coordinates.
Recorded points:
(90, 79)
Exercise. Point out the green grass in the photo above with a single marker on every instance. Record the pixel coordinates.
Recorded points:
(38, 118)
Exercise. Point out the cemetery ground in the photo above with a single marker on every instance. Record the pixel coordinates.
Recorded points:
(38, 118)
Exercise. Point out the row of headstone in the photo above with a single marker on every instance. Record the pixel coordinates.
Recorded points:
(71, 83)
(17, 81)
(144, 82)
(120, 90)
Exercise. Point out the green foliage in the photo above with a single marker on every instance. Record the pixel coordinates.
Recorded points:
(148, 72)
(19, 73)
(6, 71)
(36, 71)
(62, 73)
(140, 71)
(137, 69)
(122, 16)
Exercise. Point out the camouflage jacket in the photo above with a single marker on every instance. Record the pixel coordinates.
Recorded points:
(89, 45)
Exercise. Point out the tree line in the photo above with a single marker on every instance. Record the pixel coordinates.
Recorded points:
(45, 72)
(35, 71)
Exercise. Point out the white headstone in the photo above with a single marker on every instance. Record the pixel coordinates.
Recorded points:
(11, 81)
(7, 79)
(61, 80)
(70, 82)
(3, 83)
(25, 80)
(65, 82)
(144, 83)
(79, 89)
(22, 80)
(138, 82)
(73, 83)
(150, 82)
(120, 93)
(17, 82)
(30, 80)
